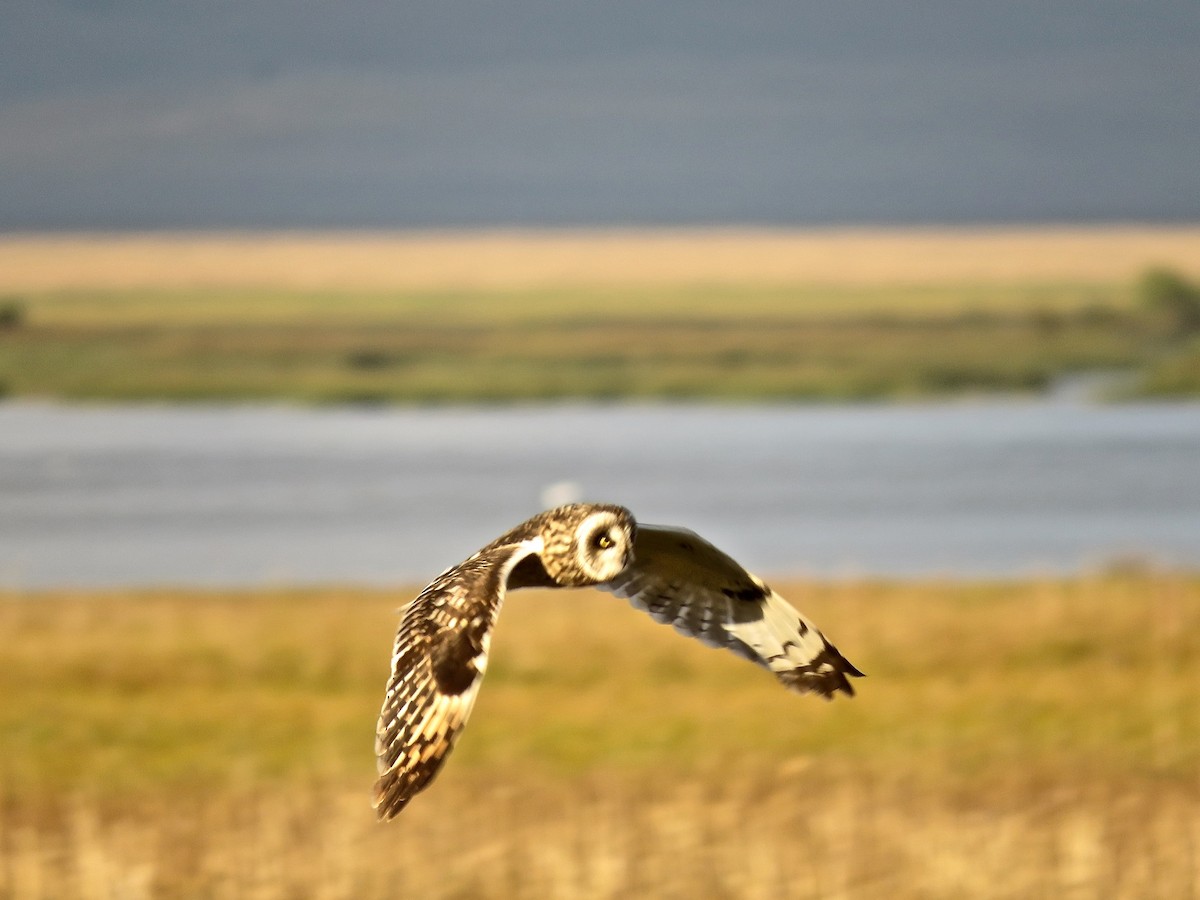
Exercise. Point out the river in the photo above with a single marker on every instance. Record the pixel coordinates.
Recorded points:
(97, 496)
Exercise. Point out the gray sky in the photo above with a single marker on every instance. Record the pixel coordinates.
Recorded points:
(272, 113)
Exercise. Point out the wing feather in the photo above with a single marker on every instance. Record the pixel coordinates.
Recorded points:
(438, 661)
(682, 580)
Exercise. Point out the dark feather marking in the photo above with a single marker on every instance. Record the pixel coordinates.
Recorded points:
(751, 592)
(825, 675)
(662, 607)
(453, 653)
(530, 572)
(468, 615)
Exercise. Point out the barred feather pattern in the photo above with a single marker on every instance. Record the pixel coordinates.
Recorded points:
(682, 580)
(438, 661)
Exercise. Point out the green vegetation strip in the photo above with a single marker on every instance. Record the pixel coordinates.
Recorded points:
(717, 343)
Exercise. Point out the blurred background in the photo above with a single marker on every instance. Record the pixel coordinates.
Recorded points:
(122, 114)
(899, 305)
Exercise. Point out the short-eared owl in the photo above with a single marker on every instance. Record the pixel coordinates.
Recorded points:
(675, 575)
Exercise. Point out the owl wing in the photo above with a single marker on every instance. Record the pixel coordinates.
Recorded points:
(683, 580)
(438, 661)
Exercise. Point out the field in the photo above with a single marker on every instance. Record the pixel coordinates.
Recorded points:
(522, 260)
(1035, 739)
(729, 316)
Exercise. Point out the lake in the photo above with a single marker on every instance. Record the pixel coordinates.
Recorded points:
(248, 495)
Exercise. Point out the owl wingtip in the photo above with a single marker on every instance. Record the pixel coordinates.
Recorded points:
(386, 802)
(826, 679)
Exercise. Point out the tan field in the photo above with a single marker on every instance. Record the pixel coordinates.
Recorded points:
(1011, 740)
(523, 260)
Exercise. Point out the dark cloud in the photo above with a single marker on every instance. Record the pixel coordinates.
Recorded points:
(132, 113)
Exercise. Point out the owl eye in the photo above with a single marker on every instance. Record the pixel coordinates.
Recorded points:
(602, 541)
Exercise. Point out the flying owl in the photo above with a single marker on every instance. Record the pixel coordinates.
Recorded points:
(679, 578)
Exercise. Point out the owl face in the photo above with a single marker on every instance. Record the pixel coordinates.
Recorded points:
(588, 545)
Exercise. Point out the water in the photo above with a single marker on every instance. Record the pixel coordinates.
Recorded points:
(102, 496)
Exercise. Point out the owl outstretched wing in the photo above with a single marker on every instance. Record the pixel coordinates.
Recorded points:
(681, 579)
(438, 661)
(441, 647)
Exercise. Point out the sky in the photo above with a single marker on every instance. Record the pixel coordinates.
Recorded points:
(142, 114)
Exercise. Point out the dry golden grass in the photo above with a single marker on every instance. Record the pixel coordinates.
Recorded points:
(1011, 740)
(760, 835)
(518, 260)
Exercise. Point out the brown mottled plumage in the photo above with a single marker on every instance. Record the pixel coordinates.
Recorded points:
(441, 647)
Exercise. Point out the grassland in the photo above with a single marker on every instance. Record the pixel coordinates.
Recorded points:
(742, 316)
(1011, 740)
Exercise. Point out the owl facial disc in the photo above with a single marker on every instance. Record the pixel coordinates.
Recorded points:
(603, 546)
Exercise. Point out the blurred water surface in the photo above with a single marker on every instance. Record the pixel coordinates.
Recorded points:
(136, 495)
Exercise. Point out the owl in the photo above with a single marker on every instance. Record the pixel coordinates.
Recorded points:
(441, 648)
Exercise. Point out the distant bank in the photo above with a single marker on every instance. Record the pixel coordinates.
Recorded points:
(485, 317)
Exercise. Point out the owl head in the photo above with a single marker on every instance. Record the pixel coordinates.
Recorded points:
(586, 543)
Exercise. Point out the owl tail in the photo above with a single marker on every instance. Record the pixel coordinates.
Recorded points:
(792, 647)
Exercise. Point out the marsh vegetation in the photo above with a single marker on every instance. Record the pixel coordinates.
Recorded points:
(716, 344)
(721, 317)
(1010, 740)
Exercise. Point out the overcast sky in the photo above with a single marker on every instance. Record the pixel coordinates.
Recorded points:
(365, 113)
